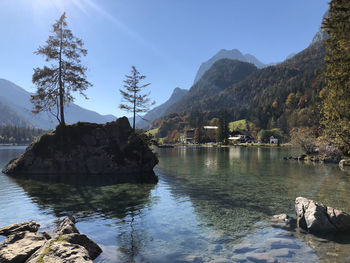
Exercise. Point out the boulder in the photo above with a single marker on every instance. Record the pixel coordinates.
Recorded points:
(19, 247)
(343, 163)
(21, 227)
(66, 245)
(67, 226)
(92, 248)
(318, 218)
(110, 152)
(61, 252)
(339, 219)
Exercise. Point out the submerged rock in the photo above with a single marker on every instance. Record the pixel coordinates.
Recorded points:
(318, 218)
(66, 245)
(282, 221)
(111, 152)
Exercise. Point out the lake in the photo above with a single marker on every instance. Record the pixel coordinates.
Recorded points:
(210, 205)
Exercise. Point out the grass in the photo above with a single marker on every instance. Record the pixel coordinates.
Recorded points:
(61, 238)
(153, 131)
(45, 252)
(241, 125)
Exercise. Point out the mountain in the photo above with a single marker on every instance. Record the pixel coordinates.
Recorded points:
(233, 54)
(285, 96)
(9, 117)
(222, 74)
(15, 108)
(320, 35)
(291, 55)
(157, 112)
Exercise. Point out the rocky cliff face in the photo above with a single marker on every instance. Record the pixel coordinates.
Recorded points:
(108, 152)
(320, 35)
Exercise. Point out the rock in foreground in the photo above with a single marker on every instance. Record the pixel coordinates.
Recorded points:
(66, 245)
(109, 152)
(30, 226)
(318, 218)
(314, 217)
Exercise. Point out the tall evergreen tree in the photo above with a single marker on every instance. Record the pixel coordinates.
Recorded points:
(337, 102)
(223, 131)
(132, 99)
(65, 74)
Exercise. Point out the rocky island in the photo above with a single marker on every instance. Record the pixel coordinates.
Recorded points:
(110, 152)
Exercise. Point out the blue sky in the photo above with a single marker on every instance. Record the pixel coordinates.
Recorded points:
(166, 40)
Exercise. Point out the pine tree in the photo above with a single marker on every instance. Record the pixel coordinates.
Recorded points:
(132, 99)
(337, 102)
(223, 131)
(65, 74)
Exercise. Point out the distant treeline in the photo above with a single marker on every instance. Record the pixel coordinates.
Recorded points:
(18, 135)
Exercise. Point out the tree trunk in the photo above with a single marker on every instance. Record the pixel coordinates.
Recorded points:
(61, 91)
(133, 124)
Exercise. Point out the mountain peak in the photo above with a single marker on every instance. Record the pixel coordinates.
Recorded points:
(176, 91)
(320, 35)
(233, 54)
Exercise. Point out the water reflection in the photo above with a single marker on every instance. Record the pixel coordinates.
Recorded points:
(112, 201)
(243, 186)
(207, 202)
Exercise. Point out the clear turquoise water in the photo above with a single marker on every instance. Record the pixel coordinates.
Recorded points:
(210, 205)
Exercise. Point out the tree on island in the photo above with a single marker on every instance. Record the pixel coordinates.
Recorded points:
(132, 99)
(56, 82)
(337, 102)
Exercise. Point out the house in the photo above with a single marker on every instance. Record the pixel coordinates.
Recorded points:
(210, 133)
(241, 136)
(189, 136)
(273, 140)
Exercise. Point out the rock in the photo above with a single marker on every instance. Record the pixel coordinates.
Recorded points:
(301, 157)
(67, 226)
(93, 249)
(343, 163)
(339, 219)
(277, 243)
(318, 218)
(19, 247)
(88, 152)
(67, 245)
(282, 221)
(260, 258)
(282, 253)
(61, 252)
(221, 260)
(21, 227)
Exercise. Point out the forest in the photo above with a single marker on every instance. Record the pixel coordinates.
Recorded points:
(18, 135)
